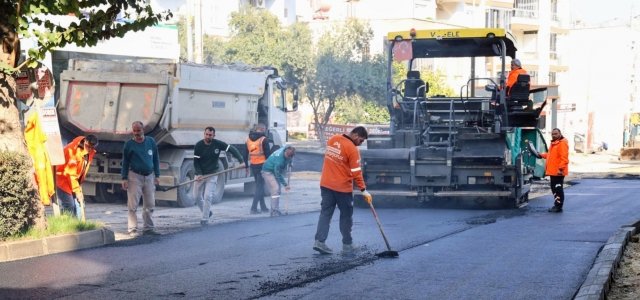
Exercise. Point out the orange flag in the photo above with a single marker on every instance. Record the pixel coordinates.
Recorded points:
(35, 137)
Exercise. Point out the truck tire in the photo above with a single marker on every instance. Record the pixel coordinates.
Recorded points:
(222, 179)
(185, 192)
(103, 196)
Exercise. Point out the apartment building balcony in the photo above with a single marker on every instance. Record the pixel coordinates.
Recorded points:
(558, 62)
(487, 3)
(525, 20)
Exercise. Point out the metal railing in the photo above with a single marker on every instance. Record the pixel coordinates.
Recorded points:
(525, 13)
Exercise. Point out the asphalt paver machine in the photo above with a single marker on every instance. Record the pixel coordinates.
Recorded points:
(462, 151)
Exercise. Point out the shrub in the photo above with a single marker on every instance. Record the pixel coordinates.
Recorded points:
(15, 192)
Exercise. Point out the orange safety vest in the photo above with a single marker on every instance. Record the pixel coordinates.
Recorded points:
(513, 78)
(69, 177)
(256, 153)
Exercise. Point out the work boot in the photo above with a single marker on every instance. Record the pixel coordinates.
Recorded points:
(322, 248)
(275, 213)
(255, 212)
(134, 233)
(555, 209)
(204, 223)
(350, 248)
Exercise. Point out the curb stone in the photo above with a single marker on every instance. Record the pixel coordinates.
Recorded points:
(600, 278)
(56, 244)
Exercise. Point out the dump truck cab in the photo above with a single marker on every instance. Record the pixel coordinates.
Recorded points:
(461, 149)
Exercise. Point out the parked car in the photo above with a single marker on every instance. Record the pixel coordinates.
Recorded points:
(579, 145)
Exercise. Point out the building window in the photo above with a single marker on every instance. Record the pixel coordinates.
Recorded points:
(552, 46)
(286, 13)
(498, 18)
(552, 77)
(554, 10)
(526, 9)
(534, 76)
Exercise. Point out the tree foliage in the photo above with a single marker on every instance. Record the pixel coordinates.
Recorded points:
(15, 194)
(96, 21)
(211, 47)
(256, 37)
(356, 110)
(344, 70)
(437, 80)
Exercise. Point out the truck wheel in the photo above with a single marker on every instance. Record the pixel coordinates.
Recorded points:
(103, 196)
(185, 192)
(219, 192)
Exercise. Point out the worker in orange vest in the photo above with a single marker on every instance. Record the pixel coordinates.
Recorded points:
(557, 167)
(516, 69)
(69, 177)
(258, 151)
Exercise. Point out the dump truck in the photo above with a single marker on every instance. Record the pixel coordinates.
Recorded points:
(463, 151)
(175, 102)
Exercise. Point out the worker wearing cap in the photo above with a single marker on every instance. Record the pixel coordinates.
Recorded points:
(341, 167)
(516, 69)
(69, 177)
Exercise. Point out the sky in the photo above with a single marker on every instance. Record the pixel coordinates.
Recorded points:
(594, 12)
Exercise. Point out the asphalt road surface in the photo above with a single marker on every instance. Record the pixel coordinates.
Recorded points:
(307, 161)
(444, 254)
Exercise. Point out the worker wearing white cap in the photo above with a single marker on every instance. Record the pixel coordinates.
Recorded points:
(516, 69)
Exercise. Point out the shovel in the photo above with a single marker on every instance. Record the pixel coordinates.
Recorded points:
(82, 209)
(389, 252)
(194, 180)
(286, 209)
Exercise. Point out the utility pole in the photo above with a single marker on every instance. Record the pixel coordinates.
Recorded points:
(198, 31)
(189, 30)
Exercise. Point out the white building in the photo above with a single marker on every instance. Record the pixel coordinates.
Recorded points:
(603, 82)
(215, 14)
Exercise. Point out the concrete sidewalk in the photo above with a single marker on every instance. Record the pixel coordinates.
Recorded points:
(304, 197)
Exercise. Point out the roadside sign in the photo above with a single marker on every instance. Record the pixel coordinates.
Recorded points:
(23, 85)
(49, 118)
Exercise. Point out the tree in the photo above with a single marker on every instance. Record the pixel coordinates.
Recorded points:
(211, 47)
(436, 80)
(28, 18)
(342, 62)
(257, 38)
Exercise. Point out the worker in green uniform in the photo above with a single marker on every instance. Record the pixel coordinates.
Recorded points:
(205, 161)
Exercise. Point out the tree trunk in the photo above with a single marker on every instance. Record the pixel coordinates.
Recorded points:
(11, 133)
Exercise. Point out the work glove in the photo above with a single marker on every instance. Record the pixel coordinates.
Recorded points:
(79, 196)
(367, 196)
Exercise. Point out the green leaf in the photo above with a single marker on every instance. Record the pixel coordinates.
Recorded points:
(34, 9)
(33, 53)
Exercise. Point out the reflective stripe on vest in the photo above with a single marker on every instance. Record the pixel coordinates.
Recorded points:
(256, 153)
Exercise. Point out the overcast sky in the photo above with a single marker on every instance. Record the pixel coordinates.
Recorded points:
(593, 12)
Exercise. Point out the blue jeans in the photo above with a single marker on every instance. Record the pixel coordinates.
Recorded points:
(68, 203)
